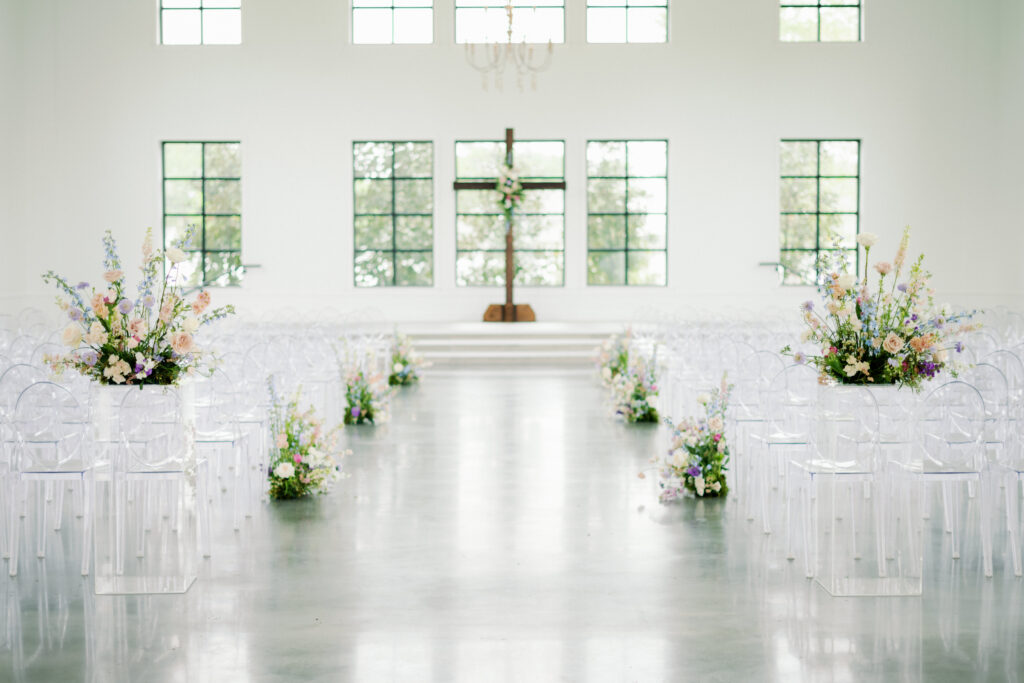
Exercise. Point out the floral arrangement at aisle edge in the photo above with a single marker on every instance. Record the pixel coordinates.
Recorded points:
(699, 457)
(366, 398)
(405, 362)
(893, 335)
(301, 461)
(510, 190)
(633, 390)
(146, 340)
(613, 356)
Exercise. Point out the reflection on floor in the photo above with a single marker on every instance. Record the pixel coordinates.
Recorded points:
(497, 531)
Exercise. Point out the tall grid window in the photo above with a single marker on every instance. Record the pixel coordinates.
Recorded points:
(627, 21)
(393, 188)
(820, 20)
(539, 220)
(200, 22)
(486, 21)
(819, 198)
(392, 21)
(203, 191)
(627, 212)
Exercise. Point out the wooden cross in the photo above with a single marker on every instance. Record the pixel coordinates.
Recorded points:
(509, 312)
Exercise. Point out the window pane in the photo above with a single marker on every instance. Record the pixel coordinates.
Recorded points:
(539, 268)
(798, 24)
(223, 160)
(647, 231)
(183, 160)
(414, 196)
(839, 158)
(414, 26)
(543, 159)
(181, 3)
(606, 268)
(414, 232)
(647, 25)
(605, 195)
(224, 232)
(181, 27)
(481, 232)
(476, 201)
(646, 268)
(541, 201)
(176, 227)
(480, 268)
(648, 157)
(222, 3)
(539, 232)
(414, 160)
(798, 231)
(840, 24)
(798, 158)
(798, 194)
(190, 271)
(371, 160)
(222, 27)
(606, 159)
(485, 22)
(223, 196)
(606, 25)
(838, 194)
(371, 26)
(839, 230)
(606, 232)
(478, 159)
(647, 195)
(374, 269)
(798, 267)
(224, 269)
(373, 232)
(183, 196)
(373, 196)
(415, 270)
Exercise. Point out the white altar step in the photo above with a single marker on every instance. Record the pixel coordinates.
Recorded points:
(452, 344)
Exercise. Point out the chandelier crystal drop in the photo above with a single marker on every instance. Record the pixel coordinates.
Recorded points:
(492, 59)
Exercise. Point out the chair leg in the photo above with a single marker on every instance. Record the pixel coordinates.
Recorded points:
(13, 533)
(1013, 521)
(953, 520)
(985, 504)
(86, 495)
(44, 495)
(58, 511)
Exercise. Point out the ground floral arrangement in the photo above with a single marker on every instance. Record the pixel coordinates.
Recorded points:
(115, 339)
(613, 357)
(302, 461)
(405, 362)
(367, 397)
(894, 334)
(696, 463)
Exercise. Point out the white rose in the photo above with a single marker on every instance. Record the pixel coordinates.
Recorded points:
(606, 372)
(284, 471)
(946, 310)
(398, 367)
(715, 423)
(679, 458)
(703, 398)
(847, 281)
(716, 487)
(175, 255)
(856, 324)
(72, 335)
(698, 483)
(867, 239)
(191, 324)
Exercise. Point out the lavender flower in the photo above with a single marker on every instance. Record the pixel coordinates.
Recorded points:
(807, 306)
(148, 301)
(355, 411)
(902, 286)
(694, 471)
(89, 358)
(75, 314)
(125, 307)
(82, 285)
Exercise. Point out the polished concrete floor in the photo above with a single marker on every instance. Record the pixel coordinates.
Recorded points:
(496, 530)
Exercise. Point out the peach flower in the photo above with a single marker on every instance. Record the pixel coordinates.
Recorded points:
(181, 342)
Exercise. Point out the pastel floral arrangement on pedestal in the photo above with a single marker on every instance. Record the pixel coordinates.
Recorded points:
(301, 461)
(115, 339)
(613, 356)
(366, 397)
(510, 190)
(405, 362)
(892, 335)
(698, 458)
(634, 389)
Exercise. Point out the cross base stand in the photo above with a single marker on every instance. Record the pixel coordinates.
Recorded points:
(516, 313)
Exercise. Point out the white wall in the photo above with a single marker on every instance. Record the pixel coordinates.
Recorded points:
(9, 95)
(923, 92)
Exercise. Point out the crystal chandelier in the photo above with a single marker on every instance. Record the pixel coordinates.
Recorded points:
(493, 58)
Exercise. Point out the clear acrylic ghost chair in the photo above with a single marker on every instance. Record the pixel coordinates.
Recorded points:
(44, 350)
(220, 438)
(751, 377)
(148, 542)
(951, 425)
(13, 381)
(53, 446)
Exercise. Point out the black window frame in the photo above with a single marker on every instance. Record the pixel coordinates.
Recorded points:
(859, 4)
(429, 4)
(628, 5)
(818, 213)
(626, 213)
(516, 5)
(202, 250)
(202, 13)
(394, 251)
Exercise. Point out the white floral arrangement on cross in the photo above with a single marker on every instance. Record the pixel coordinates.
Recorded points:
(510, 190)
(114, 339)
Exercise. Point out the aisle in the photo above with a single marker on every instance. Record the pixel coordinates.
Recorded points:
(496, 531)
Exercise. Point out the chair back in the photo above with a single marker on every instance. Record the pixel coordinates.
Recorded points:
(950, 429)
(52, 430)
(153, 432)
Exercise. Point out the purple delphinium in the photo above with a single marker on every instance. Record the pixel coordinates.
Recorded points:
(959, 346)
(807, 306)
(355, 411)
(75, 314)
(902, 286)
(82, 285)
(694, 471)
